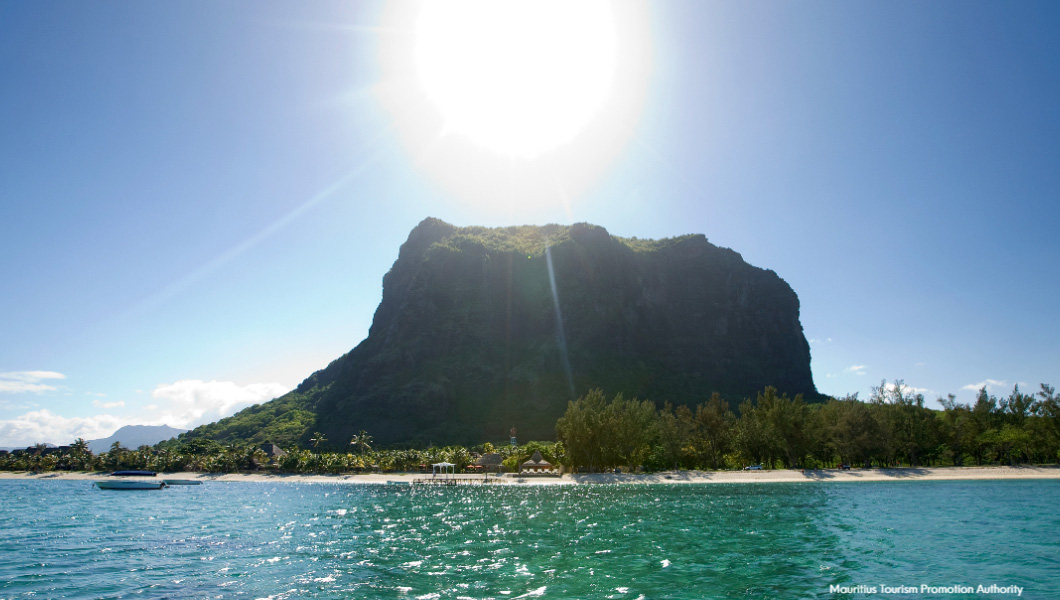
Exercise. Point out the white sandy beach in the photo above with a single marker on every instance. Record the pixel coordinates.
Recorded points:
(671, 477)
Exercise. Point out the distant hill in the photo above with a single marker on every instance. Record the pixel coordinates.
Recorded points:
(13, 448)
(134, 436)
(480, 330)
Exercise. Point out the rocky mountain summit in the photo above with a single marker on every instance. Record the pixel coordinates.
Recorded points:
(480, 330)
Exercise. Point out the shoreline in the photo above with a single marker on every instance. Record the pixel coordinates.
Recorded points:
(665, 477)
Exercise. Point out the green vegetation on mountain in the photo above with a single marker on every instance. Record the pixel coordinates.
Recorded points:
(482, 329)
(283, 421)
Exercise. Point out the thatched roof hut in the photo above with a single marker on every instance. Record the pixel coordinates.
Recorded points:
(537, 463)
(491, 461)
(272, 450)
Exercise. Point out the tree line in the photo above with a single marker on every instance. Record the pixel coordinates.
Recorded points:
(893, 427)
(205, 455)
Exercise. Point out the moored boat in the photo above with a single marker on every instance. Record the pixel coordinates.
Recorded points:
(169, 482)
(130, 484)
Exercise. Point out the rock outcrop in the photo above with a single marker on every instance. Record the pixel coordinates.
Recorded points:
(480, 330)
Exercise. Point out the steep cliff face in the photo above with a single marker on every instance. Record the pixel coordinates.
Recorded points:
(474, 335)
(480, 330)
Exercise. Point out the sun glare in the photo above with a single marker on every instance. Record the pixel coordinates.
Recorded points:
(518, 77)
(515, 106)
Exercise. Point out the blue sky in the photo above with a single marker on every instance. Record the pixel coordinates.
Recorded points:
(198, 201)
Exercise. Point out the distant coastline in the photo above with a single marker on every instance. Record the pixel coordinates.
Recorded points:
(667, 477)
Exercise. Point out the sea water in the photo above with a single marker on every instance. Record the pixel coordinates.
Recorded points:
(916, 539)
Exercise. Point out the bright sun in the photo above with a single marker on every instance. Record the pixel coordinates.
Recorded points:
(518, 77)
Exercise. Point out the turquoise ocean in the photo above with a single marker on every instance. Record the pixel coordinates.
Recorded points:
(275, 540)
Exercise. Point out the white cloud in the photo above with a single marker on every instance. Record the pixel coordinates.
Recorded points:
(191, 402)
(856, 369)
(989, 384)
(908, 390)
(184, 404)
(42, 426)
(28, 381)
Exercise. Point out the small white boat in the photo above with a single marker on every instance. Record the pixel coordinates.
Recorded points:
(130, 484)
(170, 482)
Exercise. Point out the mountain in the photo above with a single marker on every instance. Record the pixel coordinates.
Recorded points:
(480, 330)
(134, 436)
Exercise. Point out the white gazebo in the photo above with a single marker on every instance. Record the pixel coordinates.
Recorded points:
(446, 469)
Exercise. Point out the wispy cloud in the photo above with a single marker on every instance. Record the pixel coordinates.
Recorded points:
(43, 426)
(185, 404)
(989, 384)
(856, 369)
(17, 382)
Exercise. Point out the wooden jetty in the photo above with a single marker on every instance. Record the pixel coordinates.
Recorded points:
(455, 480)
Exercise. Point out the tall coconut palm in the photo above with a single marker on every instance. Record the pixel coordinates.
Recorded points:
(362, 441)
(80, 455)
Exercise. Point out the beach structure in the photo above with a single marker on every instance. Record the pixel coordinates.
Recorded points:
(273, 452)
(446, 469)
(537, 464)
(491, 462)
(444, 473)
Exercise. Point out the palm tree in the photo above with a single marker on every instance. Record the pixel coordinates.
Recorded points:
(116, 456)
(362, 440)
(143, 457)
(317, 439)
(162, 461)
(231, 457)
(80, 455)
(256, 457)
